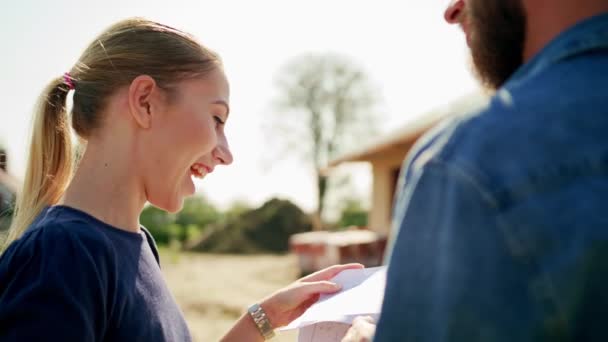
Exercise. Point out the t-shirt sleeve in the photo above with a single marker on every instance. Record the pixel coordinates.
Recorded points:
(54, 284)
(152, 244)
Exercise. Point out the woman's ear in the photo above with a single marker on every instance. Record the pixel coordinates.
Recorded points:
(143, 100)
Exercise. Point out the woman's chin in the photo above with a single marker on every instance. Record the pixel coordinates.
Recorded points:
(189, 188)
(171, 205)
(175, 202)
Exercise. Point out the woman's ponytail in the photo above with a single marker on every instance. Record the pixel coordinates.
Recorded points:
(49, 166)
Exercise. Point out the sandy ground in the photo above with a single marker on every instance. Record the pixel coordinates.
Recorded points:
(214, 290)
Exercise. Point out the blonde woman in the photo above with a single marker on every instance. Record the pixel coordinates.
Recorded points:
(151, 104)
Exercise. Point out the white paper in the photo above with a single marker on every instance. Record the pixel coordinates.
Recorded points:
(361, 295)
(323, 332)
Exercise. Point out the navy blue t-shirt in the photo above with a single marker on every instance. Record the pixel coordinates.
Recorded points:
(72, 277)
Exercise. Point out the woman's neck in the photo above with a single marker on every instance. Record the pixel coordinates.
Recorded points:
(105, 186)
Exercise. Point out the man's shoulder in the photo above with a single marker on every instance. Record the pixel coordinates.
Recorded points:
(520, 135)
(470, 142)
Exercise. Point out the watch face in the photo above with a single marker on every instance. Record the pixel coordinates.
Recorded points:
(254, 308)
(261, 321)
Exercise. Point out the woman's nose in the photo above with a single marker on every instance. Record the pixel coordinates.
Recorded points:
(222, 153)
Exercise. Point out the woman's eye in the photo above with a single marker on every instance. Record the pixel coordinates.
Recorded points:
(218, 120)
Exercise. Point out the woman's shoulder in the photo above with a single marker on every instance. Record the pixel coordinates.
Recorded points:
(62, 268)
(55, 241)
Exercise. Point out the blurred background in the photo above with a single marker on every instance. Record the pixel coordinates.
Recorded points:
(327, 98)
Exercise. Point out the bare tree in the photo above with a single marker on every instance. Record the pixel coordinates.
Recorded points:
(325, 106)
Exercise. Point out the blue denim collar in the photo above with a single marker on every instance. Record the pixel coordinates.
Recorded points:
(590, 34)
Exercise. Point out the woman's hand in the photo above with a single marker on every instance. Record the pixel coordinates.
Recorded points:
(289, 303)
(362, 330)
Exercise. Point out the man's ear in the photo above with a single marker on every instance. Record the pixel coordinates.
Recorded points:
(143, 97)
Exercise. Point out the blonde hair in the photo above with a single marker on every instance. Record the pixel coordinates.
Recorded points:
(128, 49)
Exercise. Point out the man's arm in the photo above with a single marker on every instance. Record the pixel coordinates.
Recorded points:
(452, 275)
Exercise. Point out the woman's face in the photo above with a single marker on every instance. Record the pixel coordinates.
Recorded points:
(186, 140)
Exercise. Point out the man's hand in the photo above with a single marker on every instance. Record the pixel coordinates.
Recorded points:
(362, 330)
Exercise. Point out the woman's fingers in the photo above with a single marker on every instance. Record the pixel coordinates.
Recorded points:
(304, 306)
(310, 301)
(318, 287)
(290, 302)
(330, 272)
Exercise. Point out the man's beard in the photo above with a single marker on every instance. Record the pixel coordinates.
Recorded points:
(497, 34)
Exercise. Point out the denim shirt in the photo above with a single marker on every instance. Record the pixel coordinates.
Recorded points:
(502, 218)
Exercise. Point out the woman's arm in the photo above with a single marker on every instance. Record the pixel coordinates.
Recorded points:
(289, 303)
(244, 330)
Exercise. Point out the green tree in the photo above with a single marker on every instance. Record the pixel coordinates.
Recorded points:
(325, 106)
(157, 221)
(197, 213)
(265, 229)
(353, 214)
(236, 210)
(7, 197)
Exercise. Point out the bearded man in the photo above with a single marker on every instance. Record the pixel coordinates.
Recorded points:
(502, 216)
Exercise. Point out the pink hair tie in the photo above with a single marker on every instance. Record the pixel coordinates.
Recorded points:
(68, 80)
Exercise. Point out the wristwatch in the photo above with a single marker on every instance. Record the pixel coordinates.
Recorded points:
(261, 321)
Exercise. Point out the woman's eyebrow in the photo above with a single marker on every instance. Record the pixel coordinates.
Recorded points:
(223, 103)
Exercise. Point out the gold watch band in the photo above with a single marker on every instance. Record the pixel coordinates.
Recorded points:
(261, 321)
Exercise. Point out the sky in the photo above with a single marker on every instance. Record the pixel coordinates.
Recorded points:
(414, 59)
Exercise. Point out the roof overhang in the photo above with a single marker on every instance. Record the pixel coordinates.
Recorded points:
(406, 136)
